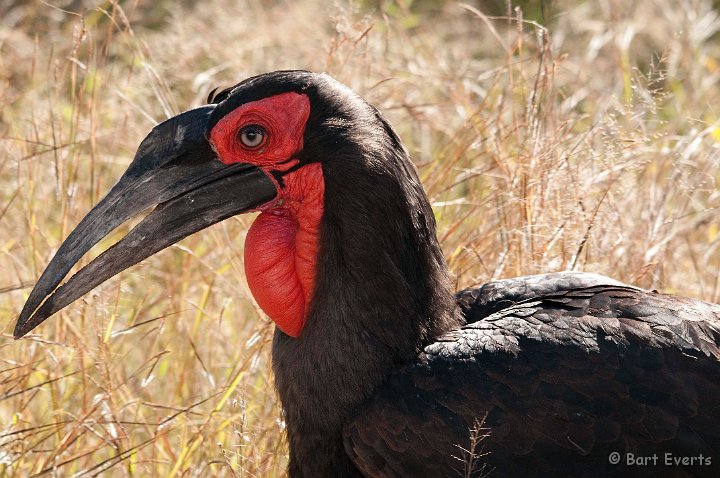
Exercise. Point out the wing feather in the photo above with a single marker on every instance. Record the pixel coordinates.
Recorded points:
(561, 370)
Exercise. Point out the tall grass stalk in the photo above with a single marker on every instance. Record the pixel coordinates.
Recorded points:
(586, 140)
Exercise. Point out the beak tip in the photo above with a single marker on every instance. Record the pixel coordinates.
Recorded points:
(25, 325)
(18, 333)
(21, 326)
(21, 330)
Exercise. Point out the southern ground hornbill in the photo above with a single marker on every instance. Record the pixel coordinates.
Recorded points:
(381, 369)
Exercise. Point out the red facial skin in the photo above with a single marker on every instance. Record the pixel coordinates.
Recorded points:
(281, 247)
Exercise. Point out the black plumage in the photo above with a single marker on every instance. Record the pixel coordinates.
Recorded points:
(393, 371)
(559, 371)
(395, 375)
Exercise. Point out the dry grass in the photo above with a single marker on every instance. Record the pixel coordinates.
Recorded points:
(593, 144)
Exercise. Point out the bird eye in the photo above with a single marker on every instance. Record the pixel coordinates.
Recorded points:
(252, 136)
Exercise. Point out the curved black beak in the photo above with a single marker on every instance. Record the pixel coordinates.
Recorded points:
(174, 168)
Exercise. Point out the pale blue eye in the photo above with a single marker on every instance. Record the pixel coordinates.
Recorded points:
(252, 136)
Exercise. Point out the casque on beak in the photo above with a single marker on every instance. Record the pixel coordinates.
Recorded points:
(174, 168)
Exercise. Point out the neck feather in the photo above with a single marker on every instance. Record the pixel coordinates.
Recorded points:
(381, 293)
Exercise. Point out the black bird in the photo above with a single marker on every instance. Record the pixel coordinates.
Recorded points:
(382, 370)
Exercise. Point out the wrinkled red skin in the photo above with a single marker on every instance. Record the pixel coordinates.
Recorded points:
(281, 247)
(281, 250)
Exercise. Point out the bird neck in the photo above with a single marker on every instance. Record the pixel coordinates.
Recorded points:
(381, 293)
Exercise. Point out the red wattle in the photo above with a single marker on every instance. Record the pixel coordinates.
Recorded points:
(270, 270)
(281, 250)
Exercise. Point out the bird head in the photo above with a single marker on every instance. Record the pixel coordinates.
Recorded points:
(334, 186)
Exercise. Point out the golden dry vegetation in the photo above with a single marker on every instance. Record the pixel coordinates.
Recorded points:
(584, 136)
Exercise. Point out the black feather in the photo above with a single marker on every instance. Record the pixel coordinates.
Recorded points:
(393, 375)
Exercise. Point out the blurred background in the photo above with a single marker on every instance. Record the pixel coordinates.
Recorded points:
(549, 135)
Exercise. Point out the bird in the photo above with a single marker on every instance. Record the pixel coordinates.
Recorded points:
(381, 368)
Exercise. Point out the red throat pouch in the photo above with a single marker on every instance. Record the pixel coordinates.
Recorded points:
(281, 250)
